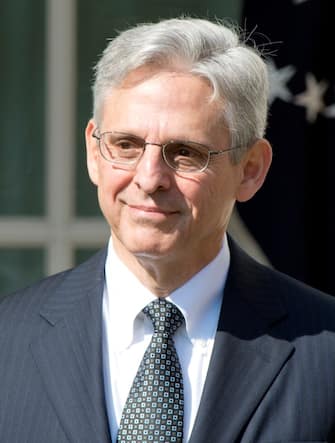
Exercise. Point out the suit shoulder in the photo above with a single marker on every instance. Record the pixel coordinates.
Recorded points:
(270, 284)
(309, 309)
(293, 289)
(28, 301)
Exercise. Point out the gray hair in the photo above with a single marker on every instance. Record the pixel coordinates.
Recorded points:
(215, 51)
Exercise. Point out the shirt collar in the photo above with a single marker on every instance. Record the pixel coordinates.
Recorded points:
(124, 299)
(199, 299)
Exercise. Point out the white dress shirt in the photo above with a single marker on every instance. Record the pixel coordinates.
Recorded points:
(127, 331)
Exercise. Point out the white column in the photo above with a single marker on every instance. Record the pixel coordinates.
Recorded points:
(60, 130)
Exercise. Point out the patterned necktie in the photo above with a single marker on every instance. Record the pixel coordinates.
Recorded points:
(155, 405)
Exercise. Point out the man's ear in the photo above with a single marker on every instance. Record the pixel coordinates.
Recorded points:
(92, 152)
(254, 167)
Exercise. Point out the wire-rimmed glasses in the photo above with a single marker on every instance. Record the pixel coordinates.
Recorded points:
(126, 150)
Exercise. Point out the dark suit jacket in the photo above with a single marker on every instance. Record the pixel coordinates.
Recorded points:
(271, 377)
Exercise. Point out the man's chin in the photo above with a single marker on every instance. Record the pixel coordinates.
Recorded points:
(147, 245)
(156, 252)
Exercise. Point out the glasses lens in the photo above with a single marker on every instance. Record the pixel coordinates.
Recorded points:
(187, 157)
(121, 148)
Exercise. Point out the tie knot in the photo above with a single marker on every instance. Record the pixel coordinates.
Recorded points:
(165, 316)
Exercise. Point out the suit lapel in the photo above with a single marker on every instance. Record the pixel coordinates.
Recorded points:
(69, 356)
(246, 357)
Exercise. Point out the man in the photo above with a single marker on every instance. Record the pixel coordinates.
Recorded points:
(176, 139)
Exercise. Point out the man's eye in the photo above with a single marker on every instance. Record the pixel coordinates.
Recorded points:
(184, 151)
(126, 144)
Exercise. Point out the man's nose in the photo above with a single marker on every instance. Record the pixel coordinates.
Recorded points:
(152, 173)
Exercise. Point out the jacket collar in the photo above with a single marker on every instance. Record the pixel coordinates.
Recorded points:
(247, 356)
(69, 355)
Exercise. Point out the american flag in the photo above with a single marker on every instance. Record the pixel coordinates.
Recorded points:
(293, 216)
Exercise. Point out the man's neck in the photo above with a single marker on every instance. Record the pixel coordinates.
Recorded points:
(163, 274)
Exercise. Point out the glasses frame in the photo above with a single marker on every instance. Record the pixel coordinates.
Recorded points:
(210, 152)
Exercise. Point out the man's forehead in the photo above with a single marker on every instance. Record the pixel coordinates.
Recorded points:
(163, 87)
(147, 73)
(178, 100)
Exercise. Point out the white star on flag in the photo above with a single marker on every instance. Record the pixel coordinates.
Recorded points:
(312, 97)
(278, 79)
(329, 111)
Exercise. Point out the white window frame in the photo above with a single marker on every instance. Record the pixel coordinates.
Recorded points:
(60, 231)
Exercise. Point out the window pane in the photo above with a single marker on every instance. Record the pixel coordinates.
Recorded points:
(22, 107)
(96, 23)
(19, 268)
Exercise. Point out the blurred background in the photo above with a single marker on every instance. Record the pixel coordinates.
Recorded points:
(49, 218)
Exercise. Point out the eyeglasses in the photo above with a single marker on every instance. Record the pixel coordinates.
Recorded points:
(183, 156)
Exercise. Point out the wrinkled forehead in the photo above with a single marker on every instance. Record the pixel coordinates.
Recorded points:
(142, 74)
(163, 103)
